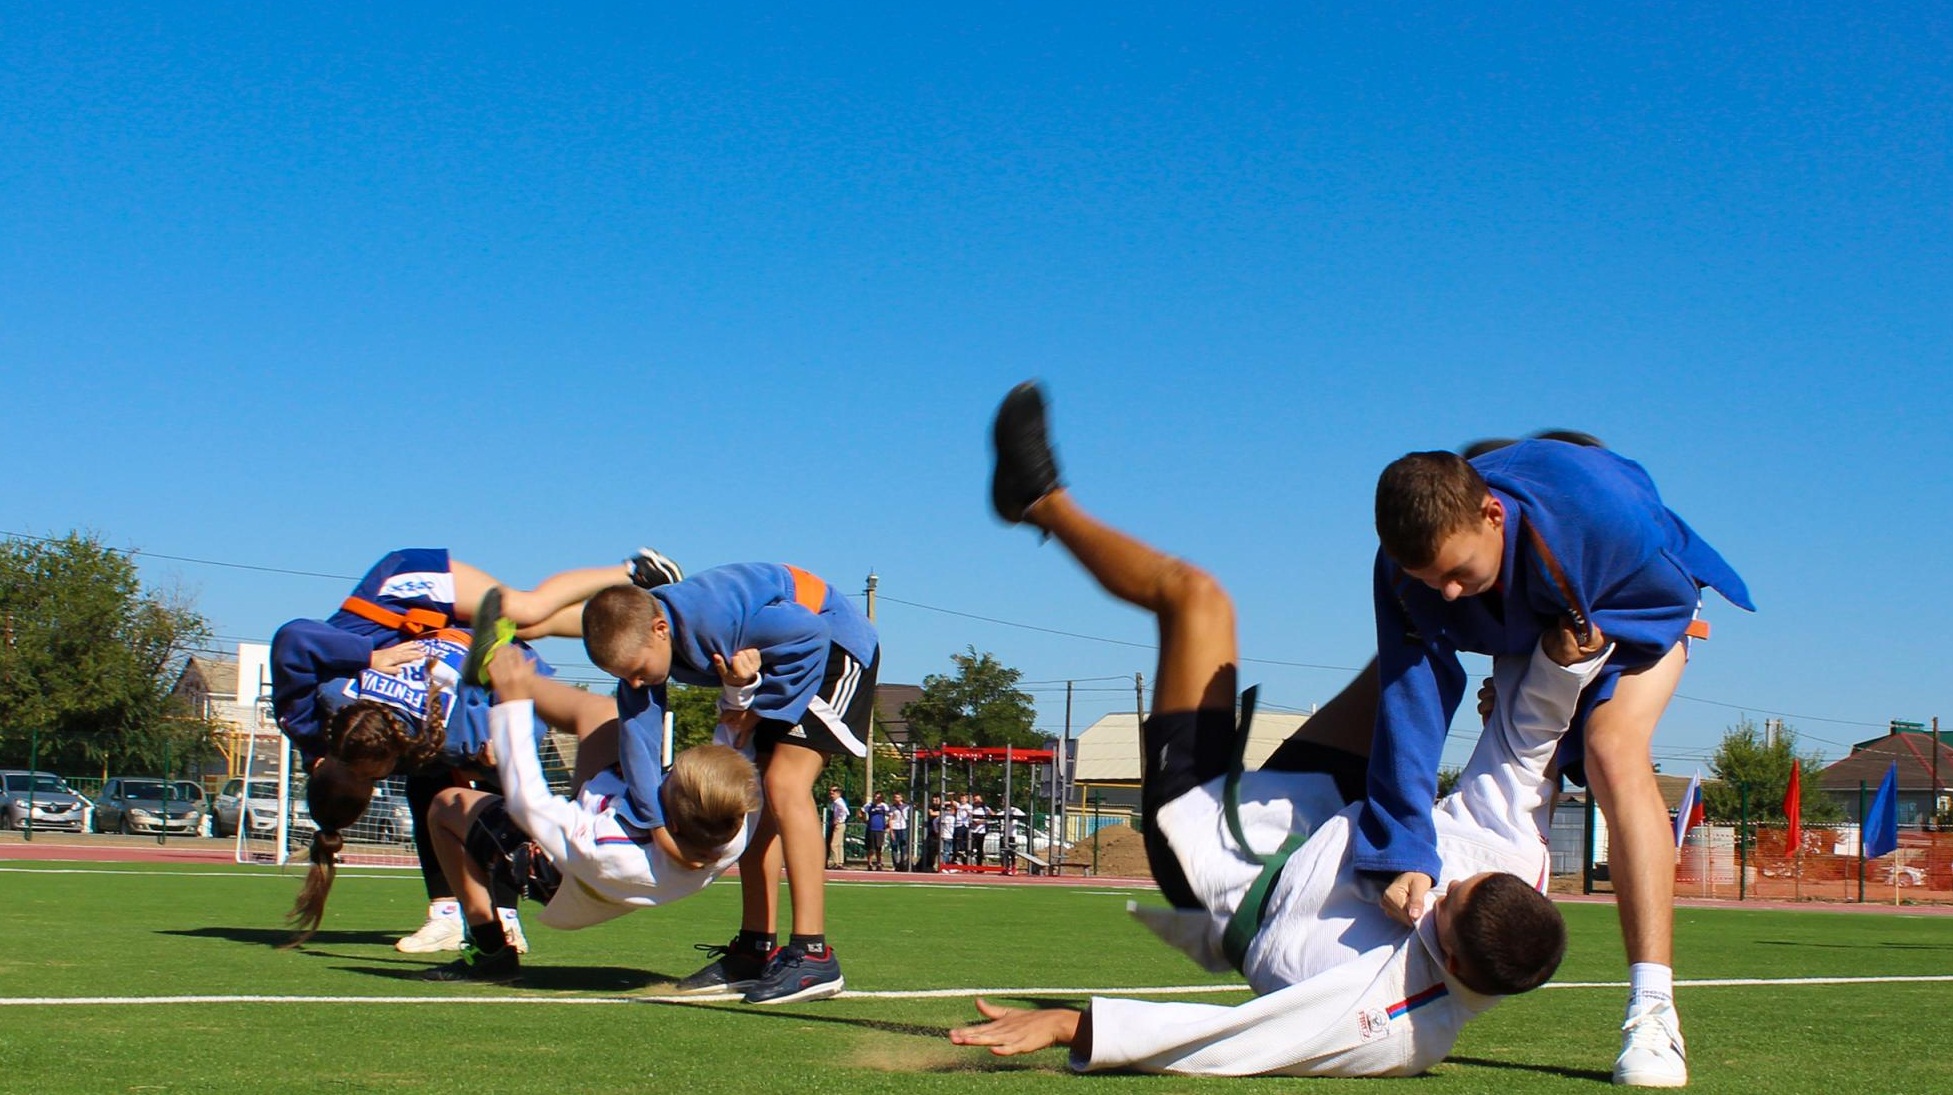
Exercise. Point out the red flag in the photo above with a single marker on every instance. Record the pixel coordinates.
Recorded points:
(1793, 811)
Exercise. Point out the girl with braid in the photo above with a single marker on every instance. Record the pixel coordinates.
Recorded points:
(398, 615)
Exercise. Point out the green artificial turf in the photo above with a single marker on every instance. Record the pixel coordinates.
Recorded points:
(69, 930)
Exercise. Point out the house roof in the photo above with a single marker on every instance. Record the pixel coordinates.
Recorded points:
(1870, 760)
(889, 701)
(216, 676)
(1108, 750)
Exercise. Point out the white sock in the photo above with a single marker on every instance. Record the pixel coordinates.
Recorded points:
(1650, 983)
(445, 908)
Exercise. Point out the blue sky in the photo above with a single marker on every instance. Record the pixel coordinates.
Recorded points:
(292, 288)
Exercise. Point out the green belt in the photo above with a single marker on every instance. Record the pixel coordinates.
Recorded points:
(1246, 921)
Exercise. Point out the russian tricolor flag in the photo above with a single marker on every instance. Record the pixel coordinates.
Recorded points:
(1688, 812)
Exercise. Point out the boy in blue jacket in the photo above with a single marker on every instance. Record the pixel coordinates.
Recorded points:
(1483, 555)
(818, 661)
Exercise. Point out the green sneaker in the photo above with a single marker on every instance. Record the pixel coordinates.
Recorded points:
(497, 968)
(492, 632)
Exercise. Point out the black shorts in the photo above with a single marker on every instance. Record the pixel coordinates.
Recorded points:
(512, 860)
(836, 721)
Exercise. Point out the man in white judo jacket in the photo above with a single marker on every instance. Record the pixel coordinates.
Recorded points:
(1265, 885)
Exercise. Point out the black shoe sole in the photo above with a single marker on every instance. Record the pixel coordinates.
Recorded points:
(1026, 469)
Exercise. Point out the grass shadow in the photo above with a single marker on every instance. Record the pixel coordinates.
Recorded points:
(1593, 1074)
(606, 979)
(276, 937)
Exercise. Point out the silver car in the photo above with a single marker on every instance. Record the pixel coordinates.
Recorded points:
(54, 805)
(138, 804)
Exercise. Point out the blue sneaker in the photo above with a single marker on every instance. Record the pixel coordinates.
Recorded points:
(731, 970)
(793, 974)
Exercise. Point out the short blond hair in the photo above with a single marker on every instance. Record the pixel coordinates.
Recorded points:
(707, 795)
(617, 623)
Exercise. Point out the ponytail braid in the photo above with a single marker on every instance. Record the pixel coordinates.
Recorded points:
(336, 796)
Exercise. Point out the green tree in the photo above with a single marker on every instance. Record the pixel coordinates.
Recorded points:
(979, 704)
(89, 657)
(694, 715)
(1747, 757)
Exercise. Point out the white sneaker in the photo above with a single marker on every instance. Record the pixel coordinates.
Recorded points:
(442, 932)
(1652, 1051)
(512, 929)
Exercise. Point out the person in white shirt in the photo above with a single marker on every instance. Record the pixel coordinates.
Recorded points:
(837, 829)
(1256, 865)
(898, 831)
(946, 834)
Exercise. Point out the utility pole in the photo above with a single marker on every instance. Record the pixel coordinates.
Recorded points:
(1935, 772)
(868, 795)
(1139, 697)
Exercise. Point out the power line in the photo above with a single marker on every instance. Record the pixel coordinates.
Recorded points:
(132, 552)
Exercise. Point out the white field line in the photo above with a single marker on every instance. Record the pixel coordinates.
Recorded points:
(296, 869)
(288, 874)
(896, 994)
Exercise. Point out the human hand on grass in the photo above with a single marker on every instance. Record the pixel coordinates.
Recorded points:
(1011, 1031)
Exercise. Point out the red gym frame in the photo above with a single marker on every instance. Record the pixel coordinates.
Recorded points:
(1006, 756)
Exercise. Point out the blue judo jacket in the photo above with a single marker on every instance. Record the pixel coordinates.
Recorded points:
(790, 616)
(1637, 568)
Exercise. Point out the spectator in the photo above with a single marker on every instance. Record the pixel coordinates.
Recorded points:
(898, 832)
(963, 829)
(979, 829)
(837, 829)
(876, 815)
(932, 835)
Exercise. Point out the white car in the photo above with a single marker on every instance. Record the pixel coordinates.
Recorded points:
(255, 810)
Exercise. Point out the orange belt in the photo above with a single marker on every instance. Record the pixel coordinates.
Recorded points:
(809, 592)
(414, 622)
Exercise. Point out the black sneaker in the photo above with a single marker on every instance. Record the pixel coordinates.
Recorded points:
(1025, 470)
(492, 632)
(651, 569)
(731, 970)
(793, 974)
(498, 967)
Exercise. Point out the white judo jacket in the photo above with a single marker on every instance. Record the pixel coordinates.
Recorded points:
(1343, 990)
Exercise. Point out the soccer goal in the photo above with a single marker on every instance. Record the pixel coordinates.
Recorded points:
(264, 812)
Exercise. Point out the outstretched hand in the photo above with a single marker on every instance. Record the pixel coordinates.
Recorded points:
(1011, 1031)
(1405, 899)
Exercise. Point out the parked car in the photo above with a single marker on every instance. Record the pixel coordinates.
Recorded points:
(55, 804)
(256, 809)
(388, 819)
(144, 804)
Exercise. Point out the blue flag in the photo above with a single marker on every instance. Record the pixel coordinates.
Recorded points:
(1882, 820)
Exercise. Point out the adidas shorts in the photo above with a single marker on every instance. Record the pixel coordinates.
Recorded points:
(836, 722)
